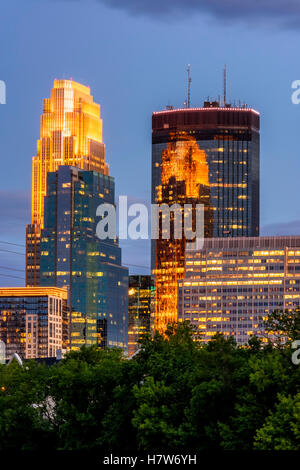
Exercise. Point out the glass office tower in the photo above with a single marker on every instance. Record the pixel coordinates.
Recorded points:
(208, 155)
(70, 134)
(73, 256)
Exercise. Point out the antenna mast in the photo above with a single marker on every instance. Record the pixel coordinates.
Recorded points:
(225, 84)
(189, 86)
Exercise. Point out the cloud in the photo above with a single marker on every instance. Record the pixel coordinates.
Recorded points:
(14, 214)
(288, 228)
(284, 11)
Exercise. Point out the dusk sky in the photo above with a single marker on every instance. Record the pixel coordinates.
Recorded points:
(134, 54)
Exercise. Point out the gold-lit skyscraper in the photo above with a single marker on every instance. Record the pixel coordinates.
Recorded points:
(207, 155)
(184, 180)
(71, 134)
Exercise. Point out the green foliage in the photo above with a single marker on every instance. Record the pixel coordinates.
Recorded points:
(177, 394)
(284, 326)
(281, 429)
(23, 407)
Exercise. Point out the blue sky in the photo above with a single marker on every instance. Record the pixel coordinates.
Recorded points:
(134, 54)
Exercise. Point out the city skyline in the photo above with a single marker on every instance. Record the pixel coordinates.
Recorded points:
(149, 230)
(147, 85)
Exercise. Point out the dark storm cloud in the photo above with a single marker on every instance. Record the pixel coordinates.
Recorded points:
(285, 11)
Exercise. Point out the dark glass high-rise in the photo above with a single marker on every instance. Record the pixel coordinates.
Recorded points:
(73, 256)
(212, 155)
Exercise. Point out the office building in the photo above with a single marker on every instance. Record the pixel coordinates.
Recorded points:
(73, 256)
(141, 298)
(70, 134)
(233, 284)
(34, 321)
(207, 155)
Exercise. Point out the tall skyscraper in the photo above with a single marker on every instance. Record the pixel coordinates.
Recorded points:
(207, 155)
(70, 134)
(69, 180)
(140, 309)
(231, 285)
(73, 256)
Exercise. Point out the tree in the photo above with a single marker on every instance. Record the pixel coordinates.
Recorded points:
(281, 430)
(283, 326)
(23, 408)
(176, 394)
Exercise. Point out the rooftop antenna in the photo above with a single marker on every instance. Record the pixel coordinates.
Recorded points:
(225, 84)
(189, 86)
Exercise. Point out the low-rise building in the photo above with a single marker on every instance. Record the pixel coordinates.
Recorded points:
(34, 321)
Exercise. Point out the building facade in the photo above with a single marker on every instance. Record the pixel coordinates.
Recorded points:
(232, 284)
(208, 156)
(73, 256)
(70, 134)
(34, 321)
(141, 298)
